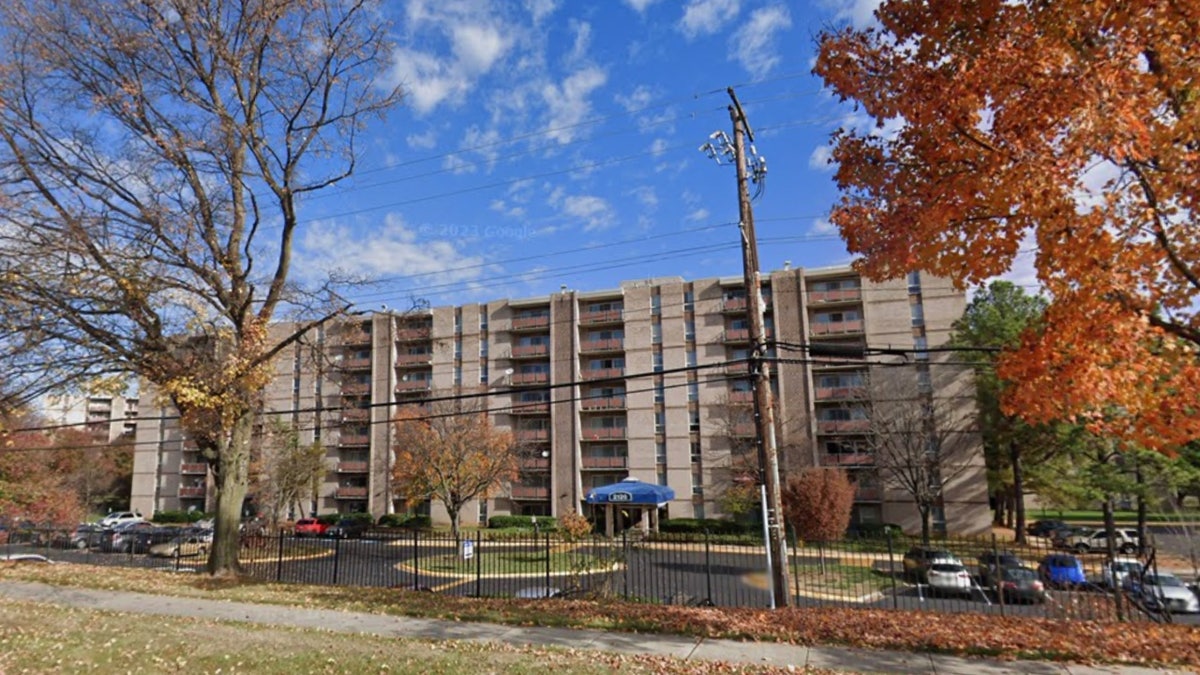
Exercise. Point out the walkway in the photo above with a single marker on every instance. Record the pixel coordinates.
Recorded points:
(855, 660)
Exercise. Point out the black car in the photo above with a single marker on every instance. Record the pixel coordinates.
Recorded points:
(991, 561)
(349, 528)
(1043, 528)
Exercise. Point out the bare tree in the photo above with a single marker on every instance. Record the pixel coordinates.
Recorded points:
(153, 155)
(923, 434)
(286, 470)
(449, 451)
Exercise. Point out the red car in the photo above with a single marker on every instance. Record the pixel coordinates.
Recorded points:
(309, 527)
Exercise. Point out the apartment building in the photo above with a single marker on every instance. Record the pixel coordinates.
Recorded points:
(647, 380)
(106, 418)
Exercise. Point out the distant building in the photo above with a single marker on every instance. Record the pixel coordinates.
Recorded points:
(106, 418)
(634, 381)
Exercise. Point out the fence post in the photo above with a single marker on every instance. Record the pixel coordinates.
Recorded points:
(337, 555)
(997, 571)
(478, 565)
(279, 560)
(625, 553)
(547, 563)
(416, 562)
(892, 567)
(707, 567)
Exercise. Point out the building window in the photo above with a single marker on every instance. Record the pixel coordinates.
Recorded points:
(689, 330)
(660, 392)
(694, 420)
(689, 301)
(656, 304)
(693, 391)
(662, 476)
(458, 375)
(921, 346)
(918, 315)
(660, 452)
(697, 482)
(695, 447)
(698, 510)
(658, 362)
(691, 357)
(656, 333)
(914, 282)
(660, 422)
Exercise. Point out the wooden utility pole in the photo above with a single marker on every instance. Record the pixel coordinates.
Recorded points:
(760, 369)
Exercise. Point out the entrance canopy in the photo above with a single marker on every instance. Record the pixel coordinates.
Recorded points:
(631, 492)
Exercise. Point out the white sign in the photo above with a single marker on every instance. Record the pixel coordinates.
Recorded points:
(620, 497)
(468, 549)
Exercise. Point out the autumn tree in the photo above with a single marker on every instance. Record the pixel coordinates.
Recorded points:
(99, 472)
(33, 485)
(1063, 130)
(817, 502)
(286, 472)
(154, 157)
(449, 451)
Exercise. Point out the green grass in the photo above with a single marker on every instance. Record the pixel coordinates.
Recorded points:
(512, 562)
(839, 579)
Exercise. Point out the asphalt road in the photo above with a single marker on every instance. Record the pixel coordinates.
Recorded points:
(725, 576)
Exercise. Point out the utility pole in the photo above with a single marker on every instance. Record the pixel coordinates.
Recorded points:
(760, 369)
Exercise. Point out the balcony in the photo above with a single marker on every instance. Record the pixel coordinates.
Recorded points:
(531, 378)
(355, 492)
(353, 467)
(535, 463)
(603, 403)
(847, 459)
(594, 317)
(530, 492)
(843, 426)
(192, 491)
(839, 393)
(603, 433)
(734, 305)
(836, 327)
(193, 468)
(737, 335)
(540, 322)
(356, 388)
(741, 397)
(602, 373)
(529, 408)
(743, 430)
(356, 415)
(530, 351)
(414, 334)
(409, 360)
(354, 439)
(610, 345)
(411, 386)
(869, 493)
(832, 297)
(356, 364)
(532, 435)
(356, 337)
(605, 462)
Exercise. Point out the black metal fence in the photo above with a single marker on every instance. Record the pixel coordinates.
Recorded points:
(891, 571)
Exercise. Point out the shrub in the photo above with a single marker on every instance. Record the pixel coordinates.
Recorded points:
(544, 523)
(178, 516)
(700, 526)
(817, 502)
(393, 519)
(358, 517)
(329, 518)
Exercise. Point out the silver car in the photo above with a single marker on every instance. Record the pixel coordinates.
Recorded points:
(1163, 591)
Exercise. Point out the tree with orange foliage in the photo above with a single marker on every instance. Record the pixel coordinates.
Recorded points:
(817, 502)
(33, 485)
(1072, 126)
(450, 452)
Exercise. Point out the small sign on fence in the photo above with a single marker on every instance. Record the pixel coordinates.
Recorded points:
(468, 549)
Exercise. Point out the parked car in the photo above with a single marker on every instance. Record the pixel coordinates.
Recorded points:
(348, 528)
(182, 547)
(124, 538)
(1163, 590)
(945, 577)
(1043, 528)
(1059, 536)
(1097, 540)
(86, 535)
(991, 561)
(1114, 572)
(309, 527)
(1019, 584)
(120, 517)
(1061, 571)
(918, 559)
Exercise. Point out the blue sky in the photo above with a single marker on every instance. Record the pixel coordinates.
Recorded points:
(547, 143)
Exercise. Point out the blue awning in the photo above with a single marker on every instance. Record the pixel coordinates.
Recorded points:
(631, 491)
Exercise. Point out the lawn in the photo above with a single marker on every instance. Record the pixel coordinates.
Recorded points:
(845, 581)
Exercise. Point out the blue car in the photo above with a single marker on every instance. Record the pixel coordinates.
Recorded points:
(1061, 570)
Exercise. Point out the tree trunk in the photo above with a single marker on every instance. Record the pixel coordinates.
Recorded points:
(452, 511)
(230, 472)
(1018, 473)
(1141, 506)
(1001, 502)
(1110, 540)
(925, 528)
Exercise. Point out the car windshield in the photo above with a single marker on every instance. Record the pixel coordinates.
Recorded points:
(1126, 566)
(1061, 561)
(1163, 580)
(947, 568)
(1017, 573)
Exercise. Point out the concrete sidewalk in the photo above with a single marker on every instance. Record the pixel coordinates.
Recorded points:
(855, 660)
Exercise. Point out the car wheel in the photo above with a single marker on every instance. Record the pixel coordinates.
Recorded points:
(81, 544)
(202, 551)
(1081, 548)
(1127, 548)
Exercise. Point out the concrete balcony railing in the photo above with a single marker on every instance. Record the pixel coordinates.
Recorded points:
(353, 467)
(847, 459)
(603, 403)
(843, 426)
(592, 317)
(734, 305)
(603, 433)
(356, 388)
(605, 462)
(356, 415)
(741, 397)
(354, 439)
(609, 345)
(413, 334)
(530, 492)
(353, 492)
(836, 327)
(413, 385)
(192, 491)
(414, 359)
(744, 429)
(530, 378)
(869, 493)
(839, 393)
(532, 435)
(840, 295)
(193, 468)
(530, 408)
(535, 463)
(602, 373)
(356, 364)
(530, 351)
(355, 337)
(737, 335)
(530, 322)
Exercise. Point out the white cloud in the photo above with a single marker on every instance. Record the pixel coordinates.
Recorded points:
(658, 147)
(583, 40)
(697, 215)
(650, 118)
(753, 45)
(478, 47)
(422, 141)
(506, 209)
(595, 212)
(821, 227)
(860, 13)
(705, 17)
(640, 6)
(568, 104)
(646, 196)
(540, 9)
(391, 249)
(818, 160)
